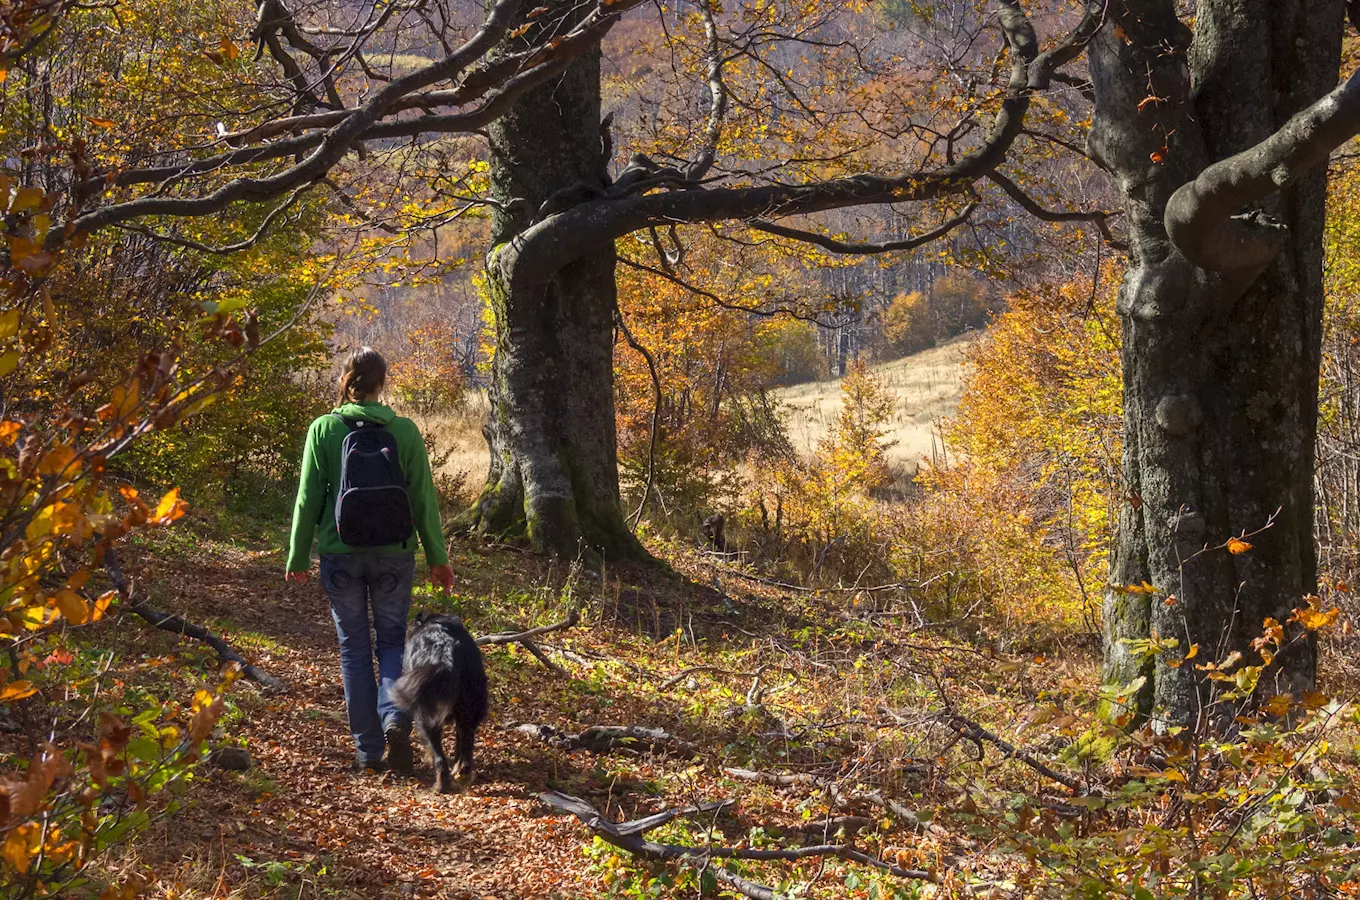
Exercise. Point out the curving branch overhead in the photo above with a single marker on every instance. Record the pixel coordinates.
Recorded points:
(533, 257)
(461, 92)
(1205, 218)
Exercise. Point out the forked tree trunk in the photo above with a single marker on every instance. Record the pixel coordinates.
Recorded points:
(554, 470)
(1221, 364)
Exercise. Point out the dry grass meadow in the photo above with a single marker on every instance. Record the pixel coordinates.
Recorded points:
(926, 388)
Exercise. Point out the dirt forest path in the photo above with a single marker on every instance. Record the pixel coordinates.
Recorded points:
(299, 814)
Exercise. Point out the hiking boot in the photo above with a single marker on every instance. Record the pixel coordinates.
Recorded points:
(399, 750)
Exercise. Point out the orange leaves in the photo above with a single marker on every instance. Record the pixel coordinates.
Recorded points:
(1190, 654)
(1312, 617)
(26, 199)
(170, 509)
(123, 402)
(102, 604)
(17, 690)
(1237, 546)
(20, 798)
(1272, 635)
(225, 52)
(1277, 705)
(57, 461)
(72, 606)
(21, 846)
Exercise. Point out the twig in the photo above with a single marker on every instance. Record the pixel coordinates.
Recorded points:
(656, 415)
(517, 637)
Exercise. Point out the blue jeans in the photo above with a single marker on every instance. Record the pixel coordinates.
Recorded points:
(356, 583)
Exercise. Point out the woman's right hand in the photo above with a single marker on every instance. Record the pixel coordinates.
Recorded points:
(297, 577)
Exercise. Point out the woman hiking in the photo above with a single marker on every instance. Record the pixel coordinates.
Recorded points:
(366, 482)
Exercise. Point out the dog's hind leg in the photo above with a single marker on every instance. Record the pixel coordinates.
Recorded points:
(462, 753)
(433, 732)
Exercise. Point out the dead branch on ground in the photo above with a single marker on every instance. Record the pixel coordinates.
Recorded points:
(608, 738)
(628, 836)
(526, 639)
(178, 625)
(974, 732)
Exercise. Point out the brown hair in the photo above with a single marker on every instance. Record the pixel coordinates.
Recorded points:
(364, 375)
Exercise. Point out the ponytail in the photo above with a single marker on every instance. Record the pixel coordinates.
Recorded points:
(364, 375)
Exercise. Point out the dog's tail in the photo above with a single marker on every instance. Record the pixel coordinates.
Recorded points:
(424, 687)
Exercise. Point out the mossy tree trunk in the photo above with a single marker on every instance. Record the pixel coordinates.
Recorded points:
(553, 476)
(1221, 322)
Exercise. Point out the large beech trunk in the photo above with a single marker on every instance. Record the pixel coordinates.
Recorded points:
(1220, 363)
(554, 468)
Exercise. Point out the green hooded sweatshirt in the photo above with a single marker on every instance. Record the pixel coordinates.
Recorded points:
(321, 471)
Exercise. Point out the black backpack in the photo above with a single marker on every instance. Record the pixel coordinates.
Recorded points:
(372, 508)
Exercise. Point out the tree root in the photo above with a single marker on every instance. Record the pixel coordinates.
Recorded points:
(628, 836)
(178, 625)
(608, 738)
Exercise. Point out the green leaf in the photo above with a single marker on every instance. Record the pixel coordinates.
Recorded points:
(144, 749)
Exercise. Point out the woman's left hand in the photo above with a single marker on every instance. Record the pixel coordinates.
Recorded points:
(442, 576)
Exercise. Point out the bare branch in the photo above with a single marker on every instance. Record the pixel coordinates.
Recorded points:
(497, 86)
(974, 732)
(608, 738)
(516, 637)
(835, 246)
(564, 237)
(526, 639)
(224, 248)
(628, 836)
(717, 91)
(656, 415)
(1031, 206)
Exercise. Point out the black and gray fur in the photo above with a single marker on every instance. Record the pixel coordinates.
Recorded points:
(443, 680)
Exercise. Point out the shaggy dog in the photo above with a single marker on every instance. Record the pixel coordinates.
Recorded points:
(442, 681)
